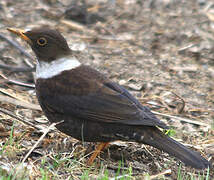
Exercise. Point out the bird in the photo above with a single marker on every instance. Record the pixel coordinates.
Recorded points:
(93, 108)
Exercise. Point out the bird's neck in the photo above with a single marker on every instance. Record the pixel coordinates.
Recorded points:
(47, 70)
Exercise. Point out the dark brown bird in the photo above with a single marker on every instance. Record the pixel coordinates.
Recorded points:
(92, 107)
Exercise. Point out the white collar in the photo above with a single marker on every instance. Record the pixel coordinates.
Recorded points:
(47, 70)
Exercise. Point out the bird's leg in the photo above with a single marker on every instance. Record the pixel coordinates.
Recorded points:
(97, 151)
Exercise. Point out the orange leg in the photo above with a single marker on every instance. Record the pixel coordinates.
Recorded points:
(97, 151)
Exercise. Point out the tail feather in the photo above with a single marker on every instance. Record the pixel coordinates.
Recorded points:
(154, 137)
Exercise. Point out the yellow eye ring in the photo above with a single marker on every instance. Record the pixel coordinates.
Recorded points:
(42, 41)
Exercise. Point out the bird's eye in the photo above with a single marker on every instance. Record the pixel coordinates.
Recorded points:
(42, 41)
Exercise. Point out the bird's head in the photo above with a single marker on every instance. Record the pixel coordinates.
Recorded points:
(48, 44)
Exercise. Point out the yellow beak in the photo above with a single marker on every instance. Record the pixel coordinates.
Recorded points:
(20, 33)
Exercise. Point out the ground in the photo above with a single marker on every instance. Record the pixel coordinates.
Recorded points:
(161, 51)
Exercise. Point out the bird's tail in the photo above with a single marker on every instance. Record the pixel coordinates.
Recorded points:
(154, 137)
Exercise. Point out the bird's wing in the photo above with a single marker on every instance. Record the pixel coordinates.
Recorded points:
(104, 101)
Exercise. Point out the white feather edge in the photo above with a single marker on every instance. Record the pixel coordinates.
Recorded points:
(47, 70)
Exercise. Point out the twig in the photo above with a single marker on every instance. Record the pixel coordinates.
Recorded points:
(185, 47)
(21, 83)
(39, 140)
(121, 177)
(17, 69)
(76, 26)
(182, 119)
(29, 63)
(181, 108)
(79, 27)
(111, 166)
(20, 119)
(17, 46)
(19, 103)
(17, 82)
(166, 172)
